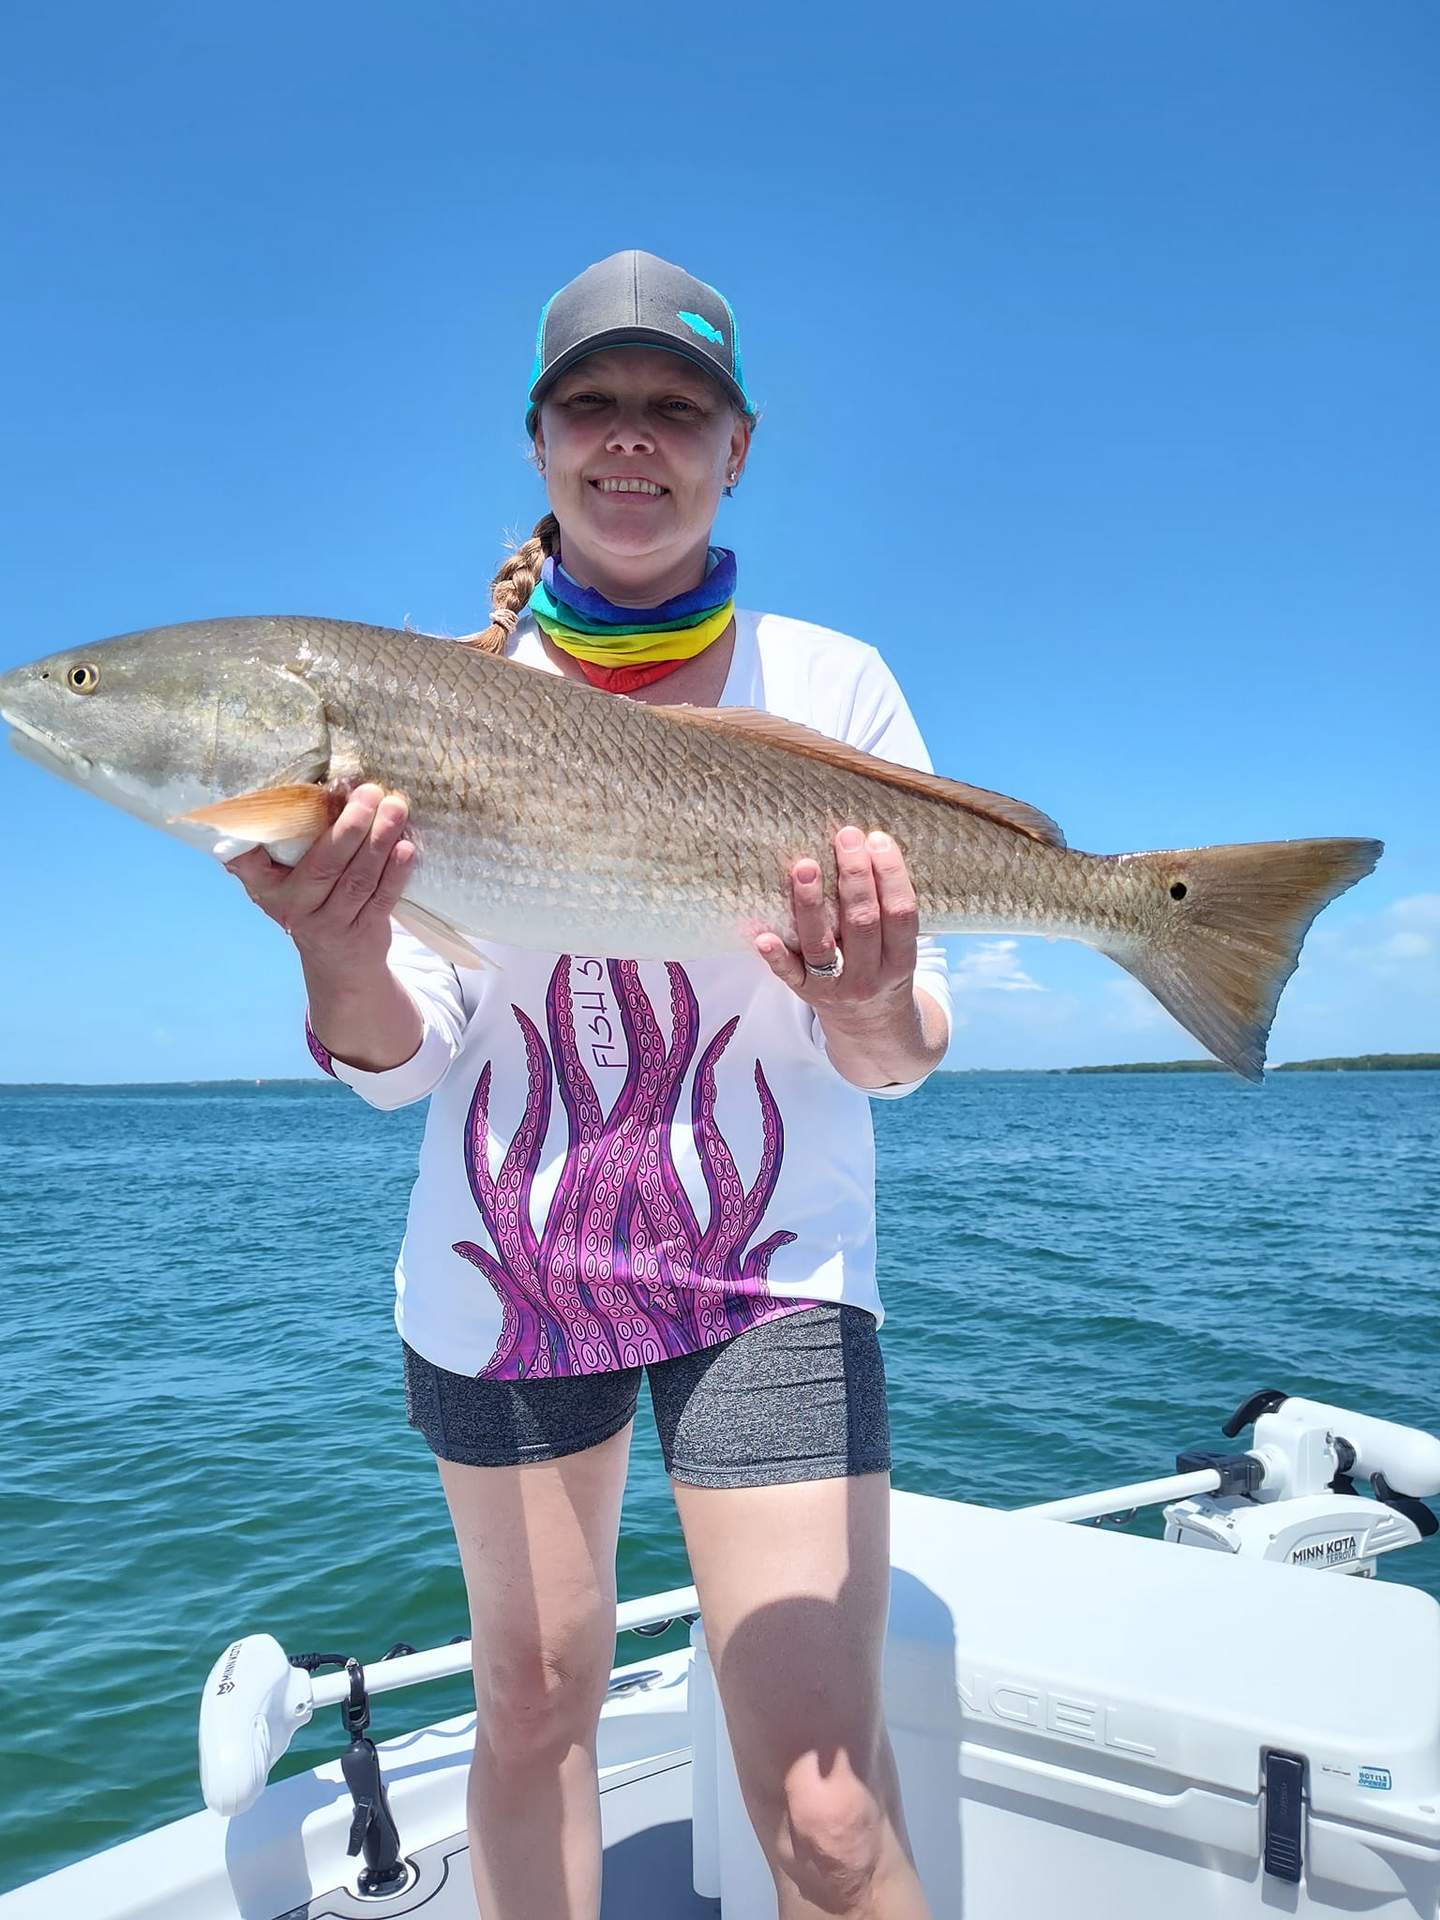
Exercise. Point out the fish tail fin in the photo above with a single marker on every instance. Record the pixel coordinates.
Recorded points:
(1233, 939)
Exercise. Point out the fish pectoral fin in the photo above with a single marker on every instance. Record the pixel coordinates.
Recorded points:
(810, 745)
(270, 813)
(438, 934)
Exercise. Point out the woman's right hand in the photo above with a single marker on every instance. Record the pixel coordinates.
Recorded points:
(336, 902)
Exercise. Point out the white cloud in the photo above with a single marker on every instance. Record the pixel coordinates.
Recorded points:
(1403, 937)
(992, 966)
(1417, 909)
(1132, 1008)
(1406, 935)
(1406, 946)
(1368, 984)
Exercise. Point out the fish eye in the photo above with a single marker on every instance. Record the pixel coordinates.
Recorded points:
(1178, 890)
(83, 679)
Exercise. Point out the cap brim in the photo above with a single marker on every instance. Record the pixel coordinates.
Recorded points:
(632, 337)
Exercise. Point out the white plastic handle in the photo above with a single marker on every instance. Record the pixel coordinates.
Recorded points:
(253, 1702)
(1408, 1458)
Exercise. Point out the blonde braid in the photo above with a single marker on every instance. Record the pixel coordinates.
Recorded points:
(513, 584)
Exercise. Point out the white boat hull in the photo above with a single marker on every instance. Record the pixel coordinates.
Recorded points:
(1085, 1723)
(286, 1855)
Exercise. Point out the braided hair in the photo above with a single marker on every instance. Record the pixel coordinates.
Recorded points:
(513, 585)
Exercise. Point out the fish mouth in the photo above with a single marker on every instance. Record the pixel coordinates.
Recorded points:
(32, 743)
(103, 781)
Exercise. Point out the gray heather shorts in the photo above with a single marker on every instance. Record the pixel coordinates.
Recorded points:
(798, 1398)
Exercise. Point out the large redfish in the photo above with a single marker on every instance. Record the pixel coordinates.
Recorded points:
(549, 815)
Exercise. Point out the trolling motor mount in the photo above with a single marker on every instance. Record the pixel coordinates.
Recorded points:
(373, 1828)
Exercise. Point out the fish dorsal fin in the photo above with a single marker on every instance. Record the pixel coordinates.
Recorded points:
(805, 742)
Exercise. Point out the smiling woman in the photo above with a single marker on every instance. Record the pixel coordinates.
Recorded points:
(648, 1146)
(640, 419)
(635, 1166)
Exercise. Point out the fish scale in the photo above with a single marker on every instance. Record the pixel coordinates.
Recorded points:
(551, 815)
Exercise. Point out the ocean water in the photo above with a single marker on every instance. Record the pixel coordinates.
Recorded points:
(203, 1420)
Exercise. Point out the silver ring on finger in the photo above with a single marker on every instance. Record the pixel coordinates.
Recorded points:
(830, 970)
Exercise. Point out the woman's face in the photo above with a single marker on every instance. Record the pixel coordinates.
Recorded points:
(637, 414)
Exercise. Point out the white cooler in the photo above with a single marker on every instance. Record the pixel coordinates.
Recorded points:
(1097, 1727)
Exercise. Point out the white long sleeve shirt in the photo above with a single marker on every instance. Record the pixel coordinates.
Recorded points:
(624, 1161)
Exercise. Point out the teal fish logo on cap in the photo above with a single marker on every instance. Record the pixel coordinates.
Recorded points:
(698, 324)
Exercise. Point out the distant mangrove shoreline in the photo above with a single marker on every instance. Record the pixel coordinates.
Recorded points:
(1349, 1063)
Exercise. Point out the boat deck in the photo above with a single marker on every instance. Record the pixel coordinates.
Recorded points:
(646, 1826)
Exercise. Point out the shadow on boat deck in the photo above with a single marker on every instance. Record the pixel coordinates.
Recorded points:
(647, 1877)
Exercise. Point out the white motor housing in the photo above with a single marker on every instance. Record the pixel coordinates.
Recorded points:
(1297, 1444)
(1328, 1530)
(252, 1704)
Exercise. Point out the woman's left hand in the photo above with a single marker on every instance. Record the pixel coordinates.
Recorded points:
(879, 1032)
(875, 935)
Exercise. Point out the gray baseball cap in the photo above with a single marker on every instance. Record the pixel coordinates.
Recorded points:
(634, 299)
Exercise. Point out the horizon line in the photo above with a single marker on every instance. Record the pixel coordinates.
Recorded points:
(1186, 1065)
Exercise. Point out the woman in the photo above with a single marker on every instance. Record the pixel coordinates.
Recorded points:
(698, 1200)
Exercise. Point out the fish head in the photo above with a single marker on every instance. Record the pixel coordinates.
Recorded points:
(173, 718)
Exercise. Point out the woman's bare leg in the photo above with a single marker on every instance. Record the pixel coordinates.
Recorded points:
(794, 1586)
(537, 1544)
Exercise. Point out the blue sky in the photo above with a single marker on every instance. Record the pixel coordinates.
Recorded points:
(1096, 347)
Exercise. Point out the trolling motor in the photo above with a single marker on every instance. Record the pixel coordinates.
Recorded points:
(257, 1698)
(254, 1701)
(1292, 1495)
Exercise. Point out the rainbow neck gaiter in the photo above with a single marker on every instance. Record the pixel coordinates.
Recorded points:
(621, 648)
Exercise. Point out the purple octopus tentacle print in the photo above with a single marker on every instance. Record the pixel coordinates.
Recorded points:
(529, 1325)
(621, 1273)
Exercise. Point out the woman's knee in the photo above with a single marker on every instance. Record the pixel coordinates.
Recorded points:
(832, 1832)
(538, 1701)
(537, 1544)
